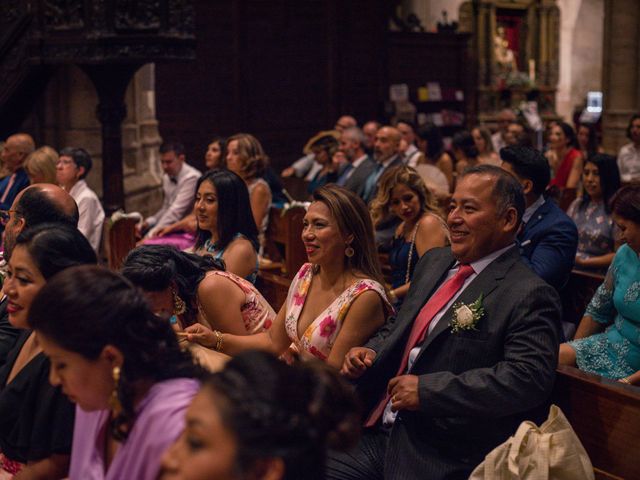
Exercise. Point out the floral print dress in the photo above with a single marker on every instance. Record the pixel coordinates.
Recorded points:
(319, 337)
(616, 352)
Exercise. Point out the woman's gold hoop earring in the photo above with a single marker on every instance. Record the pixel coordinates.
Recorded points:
(349, 251)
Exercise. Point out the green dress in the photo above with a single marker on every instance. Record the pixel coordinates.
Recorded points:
(616, 352)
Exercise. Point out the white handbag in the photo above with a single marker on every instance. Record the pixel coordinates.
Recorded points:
(549, 452)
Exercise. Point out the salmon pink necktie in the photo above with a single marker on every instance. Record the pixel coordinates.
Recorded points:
(421, 324)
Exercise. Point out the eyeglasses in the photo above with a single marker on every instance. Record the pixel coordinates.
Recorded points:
(5, 215)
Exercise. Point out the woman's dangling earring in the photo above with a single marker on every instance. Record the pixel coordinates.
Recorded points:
(349, 251)
(114, 400)
(179, 307)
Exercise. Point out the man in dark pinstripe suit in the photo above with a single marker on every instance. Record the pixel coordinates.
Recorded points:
(464, 391)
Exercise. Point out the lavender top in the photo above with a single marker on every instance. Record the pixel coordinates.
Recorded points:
(160, 420)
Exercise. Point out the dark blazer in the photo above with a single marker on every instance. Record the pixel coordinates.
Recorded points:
(368, 196)
(8, 334)
(548, 244)
(475, 386)
(358, 178)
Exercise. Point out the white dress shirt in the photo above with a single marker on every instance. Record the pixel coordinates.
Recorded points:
(91, 212)
(178, 198)
(388, 417)
(629, 162)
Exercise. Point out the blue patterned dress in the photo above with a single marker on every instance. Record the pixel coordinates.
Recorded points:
(595, 231)
(616, 352)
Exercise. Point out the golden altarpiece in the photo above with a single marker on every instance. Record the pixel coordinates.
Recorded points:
(516, 46)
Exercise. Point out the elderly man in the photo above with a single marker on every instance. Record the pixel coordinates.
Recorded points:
(15, 151)
(359, 166)
(40, 203)
(470, 355)
(178, 186)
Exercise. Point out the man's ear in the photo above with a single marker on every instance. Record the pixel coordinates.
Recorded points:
(527, 186)
(112, 355)
(269, 469)
(81, 171)
(510, 219)
(182, 158)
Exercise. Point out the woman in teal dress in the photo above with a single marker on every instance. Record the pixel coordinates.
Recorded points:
(614, 353)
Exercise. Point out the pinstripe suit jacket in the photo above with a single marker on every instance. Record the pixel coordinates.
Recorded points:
(475, 386)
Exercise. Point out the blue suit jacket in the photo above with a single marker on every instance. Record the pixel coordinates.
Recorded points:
(548, 244)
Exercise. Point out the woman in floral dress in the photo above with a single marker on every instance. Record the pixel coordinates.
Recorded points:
(335, 302)
(614, 353)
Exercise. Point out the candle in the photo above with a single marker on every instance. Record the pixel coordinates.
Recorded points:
(532, 70)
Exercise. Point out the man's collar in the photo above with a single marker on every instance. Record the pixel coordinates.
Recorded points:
(356, 163)
(482, 263)
(389, 161)
(530, 210)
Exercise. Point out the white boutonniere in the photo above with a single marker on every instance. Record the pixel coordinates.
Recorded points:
(465, 317)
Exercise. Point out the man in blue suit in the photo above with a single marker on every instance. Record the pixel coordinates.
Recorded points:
(548, 238)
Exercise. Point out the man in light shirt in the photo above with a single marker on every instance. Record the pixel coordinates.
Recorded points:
(471, 354)
(629, 155)
(178, 186)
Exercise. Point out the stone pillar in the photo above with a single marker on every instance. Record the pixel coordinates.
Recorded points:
(621, 70)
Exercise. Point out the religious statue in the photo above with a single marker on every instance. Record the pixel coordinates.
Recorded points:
(505, 58)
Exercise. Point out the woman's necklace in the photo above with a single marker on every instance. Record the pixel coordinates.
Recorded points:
(407, 275)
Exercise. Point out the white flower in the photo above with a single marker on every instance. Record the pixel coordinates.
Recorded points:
(465, 316)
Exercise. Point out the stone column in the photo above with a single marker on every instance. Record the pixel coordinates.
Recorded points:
(621, 70)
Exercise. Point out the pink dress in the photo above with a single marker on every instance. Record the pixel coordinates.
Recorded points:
(256, 312)
(320, 335)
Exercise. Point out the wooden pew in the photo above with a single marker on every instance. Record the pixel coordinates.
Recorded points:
(119, 238)
(577, 294)
(286, 253)
(606, 417)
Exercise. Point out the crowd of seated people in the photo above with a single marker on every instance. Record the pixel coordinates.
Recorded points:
(447, 358)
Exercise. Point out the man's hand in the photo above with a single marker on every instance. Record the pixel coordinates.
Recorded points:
(288, 172)
(356, 362)
(198, 333)
(141, 229)
(404, 393)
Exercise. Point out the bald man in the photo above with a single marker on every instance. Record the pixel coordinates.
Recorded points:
(16, 149)
(386, 153)
(39, 203)
(32, 206)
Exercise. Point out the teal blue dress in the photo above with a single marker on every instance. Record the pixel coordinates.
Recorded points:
(616, 352)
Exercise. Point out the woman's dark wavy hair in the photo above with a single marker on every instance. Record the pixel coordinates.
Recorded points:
(431, 134)
(464, 141)
(276, 410)
(234, 209)
(626, 202)
(223, 149)
(609, 178)
(55, 247)
(95, 307)
(157, 267)
(592, 139)
(569, 133)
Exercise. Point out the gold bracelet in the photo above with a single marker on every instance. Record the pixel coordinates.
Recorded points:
(625, 380)
(218, 346)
